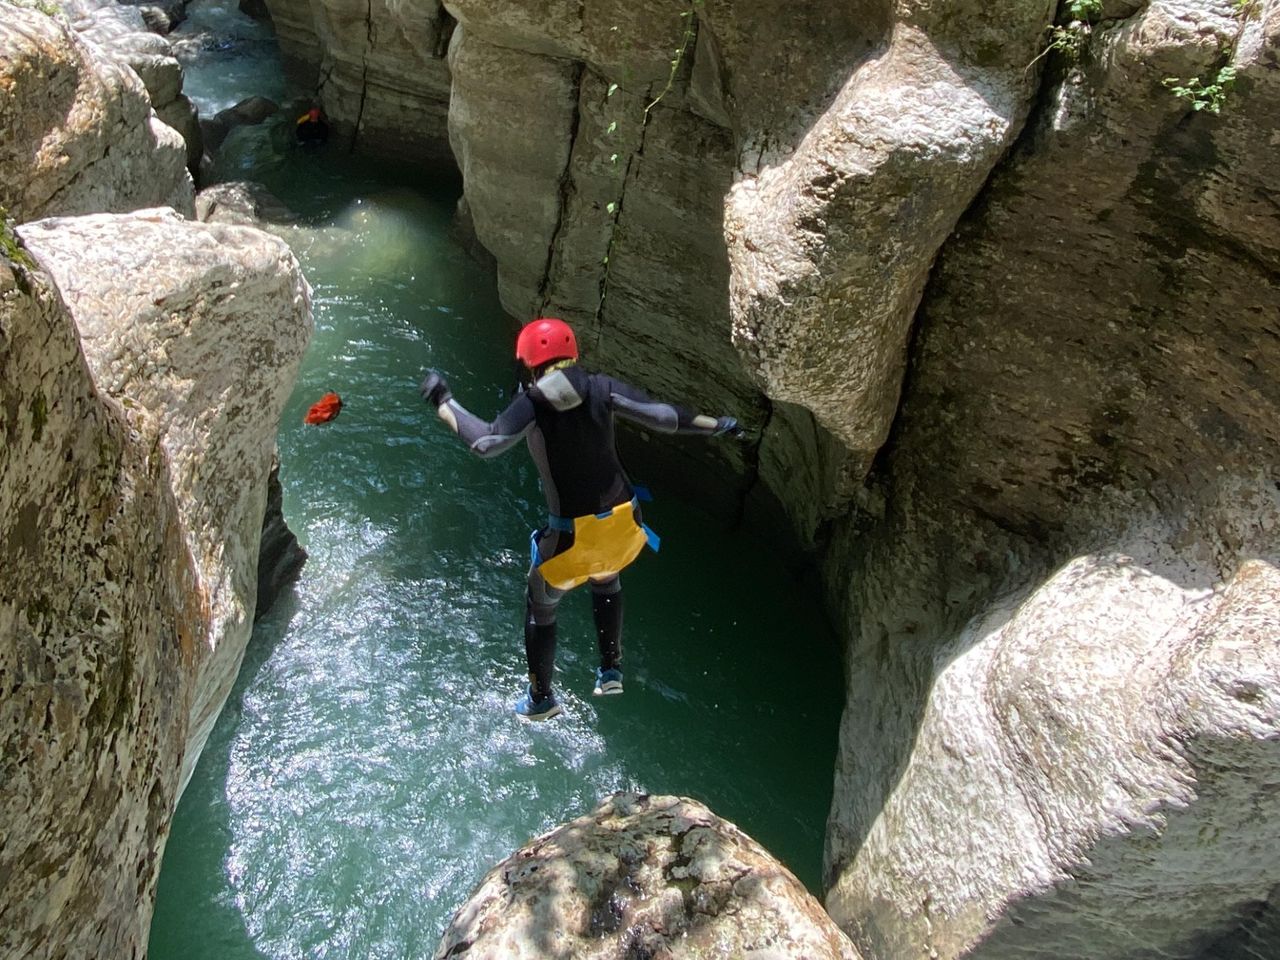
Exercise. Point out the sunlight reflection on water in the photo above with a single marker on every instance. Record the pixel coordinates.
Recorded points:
(368, 770)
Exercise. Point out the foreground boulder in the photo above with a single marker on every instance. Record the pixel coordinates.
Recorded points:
(643, 876)
(145, 364)
(79, 133)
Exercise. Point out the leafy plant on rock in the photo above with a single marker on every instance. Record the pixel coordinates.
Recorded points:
(1201, 94)
(1068, 39)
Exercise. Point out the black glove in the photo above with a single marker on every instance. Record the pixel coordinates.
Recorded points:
(727, 427)
(435, 389)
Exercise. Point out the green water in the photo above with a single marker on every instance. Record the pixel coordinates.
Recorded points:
(368, 770)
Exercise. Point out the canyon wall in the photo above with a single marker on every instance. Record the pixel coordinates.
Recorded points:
(77, 129)
(146, 362)
(378, 69)
(1009, 381)
(1064, 627)
(997, 301)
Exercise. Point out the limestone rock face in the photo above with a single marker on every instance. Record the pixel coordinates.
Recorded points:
(134, 478)
(379, 68)
(124, 33)
(1092, 772)
(643, 876)
(601, 211)
(830, 246)
(238, 296)
(1065, 622)
(79, 135)
(784, 189)
(99, 614)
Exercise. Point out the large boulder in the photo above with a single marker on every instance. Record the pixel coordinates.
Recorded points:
(643, 876)
(146, 362)
(77, 132)
(124, 32)
(1091, 774)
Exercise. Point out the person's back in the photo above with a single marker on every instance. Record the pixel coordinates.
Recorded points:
(574, 446)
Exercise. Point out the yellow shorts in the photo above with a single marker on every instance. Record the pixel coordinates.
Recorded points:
(603, 544)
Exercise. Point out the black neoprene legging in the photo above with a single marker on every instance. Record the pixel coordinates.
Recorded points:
(540, 627)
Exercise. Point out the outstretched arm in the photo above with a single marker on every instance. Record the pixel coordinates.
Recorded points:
(484, 439)
(634, 404)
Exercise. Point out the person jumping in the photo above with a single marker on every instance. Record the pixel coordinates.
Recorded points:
(593, 529)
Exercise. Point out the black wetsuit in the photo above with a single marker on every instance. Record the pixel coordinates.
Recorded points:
(566, 418)
(311, 132)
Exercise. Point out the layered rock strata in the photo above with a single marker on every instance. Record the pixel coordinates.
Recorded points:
(79, 133)
(1082, 462)
(146, 361)
(1059, 586)
(643, 876)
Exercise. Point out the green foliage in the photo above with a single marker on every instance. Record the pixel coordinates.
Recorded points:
(39, 416)
(1244, 9)
(690, 19)
(1086, 11)
(1201, 94)
(688, 32)
(10, 246)
(1068, 39)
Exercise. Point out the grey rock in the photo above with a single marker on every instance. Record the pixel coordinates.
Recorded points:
(643, 876)
(182, 116)
(240, 202)
(1064, 623)
(80, 133)
(139, 418)
(379, 70)
(238, 295)
(251, 110)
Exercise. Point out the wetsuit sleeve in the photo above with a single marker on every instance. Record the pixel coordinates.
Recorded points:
(489, 439)
(632, 403)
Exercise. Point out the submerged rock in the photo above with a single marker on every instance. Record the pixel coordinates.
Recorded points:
(643, 876)
(242, 202)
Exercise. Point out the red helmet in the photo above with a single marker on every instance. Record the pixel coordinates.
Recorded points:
(544, 340)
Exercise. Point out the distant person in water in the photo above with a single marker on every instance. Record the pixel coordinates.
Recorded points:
(593, 528)
(311, 128)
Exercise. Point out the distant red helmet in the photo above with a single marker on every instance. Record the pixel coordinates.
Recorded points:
(544, 340)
